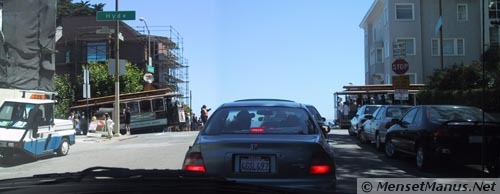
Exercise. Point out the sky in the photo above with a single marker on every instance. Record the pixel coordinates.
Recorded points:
(301, 50)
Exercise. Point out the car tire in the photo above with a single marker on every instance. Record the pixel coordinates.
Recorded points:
(390, 150)
(63, 149)
(351, 133)
(378, 143)
(423, 159)
(6, 156)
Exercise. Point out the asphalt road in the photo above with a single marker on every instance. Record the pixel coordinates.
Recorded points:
(144, 151)
(166, 151)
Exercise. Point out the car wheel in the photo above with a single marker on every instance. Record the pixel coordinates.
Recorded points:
(63, 149)
(390, 150)
(422, 158)
(6, 156)
(350, 130)
(378, 142)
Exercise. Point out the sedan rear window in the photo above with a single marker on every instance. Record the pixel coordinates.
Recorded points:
(258, 120)
(443, 114)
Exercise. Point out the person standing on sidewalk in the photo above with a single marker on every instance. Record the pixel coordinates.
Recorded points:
(109, 124)
(127, 120)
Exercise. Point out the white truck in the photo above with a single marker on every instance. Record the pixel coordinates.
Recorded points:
(27, 126)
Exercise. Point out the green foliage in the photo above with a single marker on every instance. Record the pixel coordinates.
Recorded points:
(132, 80)
(102, 84)
(68, 8)
(457, 77)
(66, 95)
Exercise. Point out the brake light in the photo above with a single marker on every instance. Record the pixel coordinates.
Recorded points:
(257, 130)
(320, 164)
(195, 168)
(320, 169)
(194, 162)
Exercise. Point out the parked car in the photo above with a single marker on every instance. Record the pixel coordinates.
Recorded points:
(364, 113)
(374, 129)
(270, 142)
(319, 119)
(434, 133)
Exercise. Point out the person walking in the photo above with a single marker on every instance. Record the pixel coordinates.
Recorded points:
(76, 124)
(204, 114)
(127, 120)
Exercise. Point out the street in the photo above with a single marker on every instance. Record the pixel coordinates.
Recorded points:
(166, 150)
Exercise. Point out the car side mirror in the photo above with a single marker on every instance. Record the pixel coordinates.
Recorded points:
(369, 117)
(323, 119)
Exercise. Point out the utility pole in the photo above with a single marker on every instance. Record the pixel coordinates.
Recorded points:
(441, 34)
(116, 115)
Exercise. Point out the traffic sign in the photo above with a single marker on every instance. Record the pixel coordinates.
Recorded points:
(400, 66)
(115, 15)
(401, 82)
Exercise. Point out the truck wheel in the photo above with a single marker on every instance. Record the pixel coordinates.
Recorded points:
(63, 148)
(6, 156)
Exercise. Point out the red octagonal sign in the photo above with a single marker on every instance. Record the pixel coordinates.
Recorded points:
(400, 66)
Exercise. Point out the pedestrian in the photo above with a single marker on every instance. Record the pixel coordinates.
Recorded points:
(84, 123)
(76, 124)
(194, 122)
(109, 124)
(204, 114)
(346, 110)
(127, 120)
(71, 115)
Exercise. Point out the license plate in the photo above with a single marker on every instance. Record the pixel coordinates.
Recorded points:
(475, 139)
(255, 164)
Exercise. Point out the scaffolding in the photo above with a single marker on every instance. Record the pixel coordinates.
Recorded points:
(168, 57)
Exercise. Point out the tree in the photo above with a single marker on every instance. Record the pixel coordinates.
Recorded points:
(66, 95)
(68, 8)
(102, 84)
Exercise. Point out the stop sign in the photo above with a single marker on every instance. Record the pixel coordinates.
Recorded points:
(400, 66)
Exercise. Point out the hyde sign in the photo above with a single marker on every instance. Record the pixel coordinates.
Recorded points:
(400, 66)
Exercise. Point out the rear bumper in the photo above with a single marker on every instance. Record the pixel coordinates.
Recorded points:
(468, 155)
(326, 184)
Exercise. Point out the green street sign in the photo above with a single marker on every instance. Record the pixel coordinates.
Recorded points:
(114, 16)
(151, 69)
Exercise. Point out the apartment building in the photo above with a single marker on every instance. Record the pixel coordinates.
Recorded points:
(413, 24)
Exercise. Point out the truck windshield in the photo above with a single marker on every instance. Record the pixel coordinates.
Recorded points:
(14, 115)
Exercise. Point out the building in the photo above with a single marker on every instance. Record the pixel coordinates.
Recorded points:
(413, 24)
(86, 40)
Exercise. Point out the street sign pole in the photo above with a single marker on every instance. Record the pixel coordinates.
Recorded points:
(117, 74)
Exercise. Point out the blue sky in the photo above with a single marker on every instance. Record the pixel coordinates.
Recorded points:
(302, 50)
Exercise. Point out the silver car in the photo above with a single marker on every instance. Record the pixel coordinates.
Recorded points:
(264, 142)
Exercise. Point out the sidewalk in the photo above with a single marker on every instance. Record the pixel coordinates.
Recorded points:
(91, 139)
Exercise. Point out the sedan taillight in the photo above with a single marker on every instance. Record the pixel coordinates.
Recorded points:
(320, 164)
(194, 162)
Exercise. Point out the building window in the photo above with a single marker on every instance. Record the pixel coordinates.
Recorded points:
(412, 78)
(68, 56)
(386, 16)
(494, 9)
(379, 55)
(404, 11)
(451, 47)
(409, 45)
(96, 51)
(462, 14)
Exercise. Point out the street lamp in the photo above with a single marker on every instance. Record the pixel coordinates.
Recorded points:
(149, 40)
